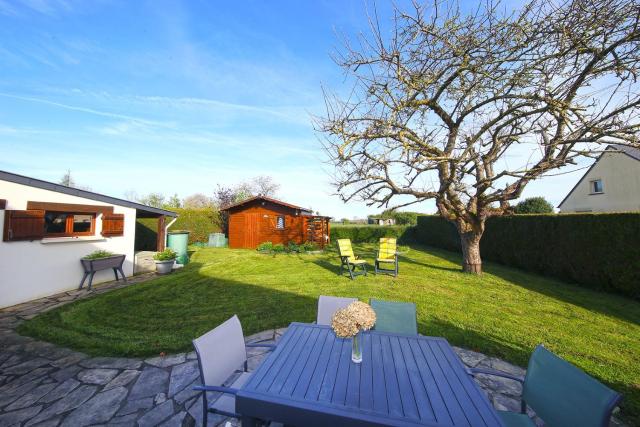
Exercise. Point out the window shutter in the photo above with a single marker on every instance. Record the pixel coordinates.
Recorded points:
(112, 225)
(23, 225)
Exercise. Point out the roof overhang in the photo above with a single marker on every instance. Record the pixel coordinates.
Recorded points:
(143, 211)
(266, 199)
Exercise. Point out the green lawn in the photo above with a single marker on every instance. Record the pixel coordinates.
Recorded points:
(504, 313)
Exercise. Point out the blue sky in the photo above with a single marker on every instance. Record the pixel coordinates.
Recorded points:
(175, 97)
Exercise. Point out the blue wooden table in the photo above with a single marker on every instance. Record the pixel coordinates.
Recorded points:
(403, 380)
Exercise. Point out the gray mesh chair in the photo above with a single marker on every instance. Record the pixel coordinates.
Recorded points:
(559, 393)
(328, 305)
(221, 354)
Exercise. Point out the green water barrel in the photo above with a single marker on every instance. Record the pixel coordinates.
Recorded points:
(178, 241)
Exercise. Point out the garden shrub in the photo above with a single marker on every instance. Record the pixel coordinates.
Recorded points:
(598, 251)
(278, 248)
(199, 222)
(372, 233)
(265, 247)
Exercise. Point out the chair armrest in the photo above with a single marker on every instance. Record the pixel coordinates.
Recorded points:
(271, 346)
(474, 371)
(220, 389)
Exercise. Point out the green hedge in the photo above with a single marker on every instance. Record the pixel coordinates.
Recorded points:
(372, 233)
(200, 223)
(599, 251)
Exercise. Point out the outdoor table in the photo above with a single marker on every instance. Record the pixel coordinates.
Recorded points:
(403, 380)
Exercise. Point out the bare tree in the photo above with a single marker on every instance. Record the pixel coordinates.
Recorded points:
(264, 185)
(198, 201)
(67, 180)
(468, 108)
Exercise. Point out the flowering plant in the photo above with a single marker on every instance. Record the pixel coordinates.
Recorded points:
(357, 316)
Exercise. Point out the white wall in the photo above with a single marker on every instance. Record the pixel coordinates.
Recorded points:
(30, 270)
(620, 175)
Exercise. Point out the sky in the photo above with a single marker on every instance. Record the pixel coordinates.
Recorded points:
(177, 97)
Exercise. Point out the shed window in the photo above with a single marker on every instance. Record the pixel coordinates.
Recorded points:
(280, 222)
(66, 224)
(596, 186)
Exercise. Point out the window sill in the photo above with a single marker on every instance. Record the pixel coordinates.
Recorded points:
(48, 240)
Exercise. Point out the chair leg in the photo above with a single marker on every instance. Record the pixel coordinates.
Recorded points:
(364, 267)
(375, 267)
(205, 410)
(351, 268)
(115, 271)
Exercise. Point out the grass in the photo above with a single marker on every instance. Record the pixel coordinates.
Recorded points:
(504, 313)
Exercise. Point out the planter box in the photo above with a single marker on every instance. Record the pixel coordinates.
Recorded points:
(91, 266)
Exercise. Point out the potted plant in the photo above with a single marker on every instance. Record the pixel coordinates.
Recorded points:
(165, 260)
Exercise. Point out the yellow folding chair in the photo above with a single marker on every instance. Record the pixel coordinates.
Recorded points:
(387, 254)
(349, 260)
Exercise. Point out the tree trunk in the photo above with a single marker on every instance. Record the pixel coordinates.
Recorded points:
(471, 261)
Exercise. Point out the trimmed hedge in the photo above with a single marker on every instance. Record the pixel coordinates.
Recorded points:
(372, 233)
(200, 223)
(598, 251)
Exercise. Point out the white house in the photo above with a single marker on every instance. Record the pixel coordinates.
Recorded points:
(47, 228)
(611, 184)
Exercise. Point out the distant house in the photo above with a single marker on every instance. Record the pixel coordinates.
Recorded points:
(381, 221)
(611, 184)
(47, 228)
(263, 219)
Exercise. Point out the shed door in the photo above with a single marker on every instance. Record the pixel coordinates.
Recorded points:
(252, 227)
(243, 230)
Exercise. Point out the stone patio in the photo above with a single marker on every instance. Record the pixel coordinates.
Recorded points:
(45, 385)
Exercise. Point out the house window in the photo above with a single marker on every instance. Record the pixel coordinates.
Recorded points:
(66, 224)
(596, 186)
(280, 222)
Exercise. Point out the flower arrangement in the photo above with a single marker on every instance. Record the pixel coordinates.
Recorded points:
(349, 322)
(357, 316)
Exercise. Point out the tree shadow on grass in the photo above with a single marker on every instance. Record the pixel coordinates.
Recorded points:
(608, 304)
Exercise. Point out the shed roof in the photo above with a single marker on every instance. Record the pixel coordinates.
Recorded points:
(46, 185)
(266, 199)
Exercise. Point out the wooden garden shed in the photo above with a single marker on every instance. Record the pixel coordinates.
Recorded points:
(263, 219)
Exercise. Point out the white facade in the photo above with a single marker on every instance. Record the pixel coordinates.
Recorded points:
(612, 184)
(34, 269)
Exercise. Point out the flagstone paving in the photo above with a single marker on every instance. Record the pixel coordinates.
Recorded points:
(45, 385)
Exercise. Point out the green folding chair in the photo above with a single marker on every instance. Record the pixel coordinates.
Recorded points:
(395, 317)
(387, 258)
(559, 393)
(349, 260)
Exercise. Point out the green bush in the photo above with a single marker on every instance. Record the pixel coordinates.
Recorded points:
(598, 251)
(265, 247)
(372, 233)
(309, 246)
(199, 222)
(533, 205)
(278, 248)
(166, 255)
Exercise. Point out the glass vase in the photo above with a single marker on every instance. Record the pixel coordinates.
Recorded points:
(356, 348)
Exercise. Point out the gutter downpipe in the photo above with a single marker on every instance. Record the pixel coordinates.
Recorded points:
(166, 230)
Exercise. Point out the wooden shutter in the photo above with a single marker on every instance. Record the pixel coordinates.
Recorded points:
(23, 225)
(112, 225)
